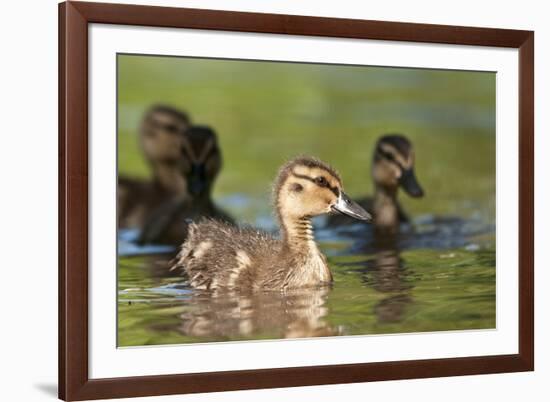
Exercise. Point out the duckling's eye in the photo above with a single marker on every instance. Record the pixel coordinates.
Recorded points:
(171, 128)
(321, 181)
(387, 155)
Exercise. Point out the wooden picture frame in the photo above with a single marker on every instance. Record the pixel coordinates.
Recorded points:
(74, 381)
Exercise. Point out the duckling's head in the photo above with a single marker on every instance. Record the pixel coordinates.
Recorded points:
(307, 187)
(393, 165)
(161, 133)
(201, 159)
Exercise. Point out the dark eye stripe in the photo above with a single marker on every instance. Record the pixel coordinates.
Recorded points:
(334, 190)
(321, 181)
(313, 180)
(389, 157)
(170, 127)
(386, 155)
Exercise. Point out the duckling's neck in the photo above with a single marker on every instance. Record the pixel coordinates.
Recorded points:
(299, 246)
(169, 178)
(385, 207)
(297, 234)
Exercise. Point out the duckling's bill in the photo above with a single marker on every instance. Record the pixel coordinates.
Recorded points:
(347, 206)
(198, 182)
(410, 184)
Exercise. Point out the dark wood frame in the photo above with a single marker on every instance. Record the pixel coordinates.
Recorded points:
(74, 17)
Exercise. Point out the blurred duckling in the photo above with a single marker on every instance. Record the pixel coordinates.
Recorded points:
(161, 136)
(392, 168)
(218, 256)
(199, 164)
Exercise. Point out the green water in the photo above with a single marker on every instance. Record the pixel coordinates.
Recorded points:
(438, 274)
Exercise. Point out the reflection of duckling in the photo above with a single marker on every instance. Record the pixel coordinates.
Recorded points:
(199, 165)
(392, 167)
(393, 309)
(387, 273)
(389, 276)
(294, 314)
(218, 256)
(161, 137)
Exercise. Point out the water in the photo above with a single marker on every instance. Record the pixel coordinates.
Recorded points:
(438, 274)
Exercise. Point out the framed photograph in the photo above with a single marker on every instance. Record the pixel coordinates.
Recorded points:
(259, 200)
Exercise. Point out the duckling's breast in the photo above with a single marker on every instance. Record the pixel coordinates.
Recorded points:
(308, 270)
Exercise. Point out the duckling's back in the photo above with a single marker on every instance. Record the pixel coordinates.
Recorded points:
(218, 255)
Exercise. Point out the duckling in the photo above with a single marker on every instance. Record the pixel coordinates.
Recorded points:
(198, 166)
(161, 137)
(392, 168)
(218, 256)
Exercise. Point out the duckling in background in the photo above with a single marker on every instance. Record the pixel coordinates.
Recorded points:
(217, 256)
(198, 167)
(161, 137)
(392, 168)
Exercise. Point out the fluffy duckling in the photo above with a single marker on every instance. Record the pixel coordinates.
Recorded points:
(392, 168)
(217, 256)
(161, 137)
(198, 166)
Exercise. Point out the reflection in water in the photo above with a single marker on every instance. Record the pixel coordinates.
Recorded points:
(294, 314)
(388, 277)
(392, 309)
(386, 273)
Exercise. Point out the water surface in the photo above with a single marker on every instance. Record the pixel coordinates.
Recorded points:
(435, 276)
